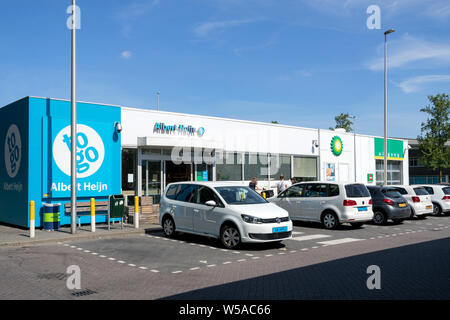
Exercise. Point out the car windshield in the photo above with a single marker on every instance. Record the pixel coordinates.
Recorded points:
(420, 191)
(240, 195)
(391, 193)
(356, 191)
(446, 190)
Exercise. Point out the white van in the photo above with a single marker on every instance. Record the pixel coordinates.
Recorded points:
(440, 197)
(328, 203)
(233, 213)
(418, 198)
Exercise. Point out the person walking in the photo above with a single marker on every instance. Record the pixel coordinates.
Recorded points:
(254, 184)
(282, 185)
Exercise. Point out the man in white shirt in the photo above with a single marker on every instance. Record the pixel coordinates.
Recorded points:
(282, 185)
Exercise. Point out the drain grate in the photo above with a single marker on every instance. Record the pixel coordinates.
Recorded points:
(53, 276)
(83, 293)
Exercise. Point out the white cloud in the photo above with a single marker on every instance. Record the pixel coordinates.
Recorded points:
(415, 83)
(408, 50)
(126, 54)
(202, 30)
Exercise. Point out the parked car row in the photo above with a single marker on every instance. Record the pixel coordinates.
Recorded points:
(235, 213)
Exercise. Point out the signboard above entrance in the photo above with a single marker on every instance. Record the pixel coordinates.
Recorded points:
(394, 149)
(161, 127)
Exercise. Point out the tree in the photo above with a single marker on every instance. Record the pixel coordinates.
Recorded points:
(274, 122)
(435, 132)
(343, 121)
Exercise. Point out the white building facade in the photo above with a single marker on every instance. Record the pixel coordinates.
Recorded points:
(162, 147)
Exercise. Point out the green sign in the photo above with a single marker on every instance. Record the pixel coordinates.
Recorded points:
(370, 177)
(394, 149)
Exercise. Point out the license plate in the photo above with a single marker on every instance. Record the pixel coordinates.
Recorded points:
(362, 209)
(429, 207)
(279, 229)
(402, 205)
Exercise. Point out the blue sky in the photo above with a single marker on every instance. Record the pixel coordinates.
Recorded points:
(297, 62)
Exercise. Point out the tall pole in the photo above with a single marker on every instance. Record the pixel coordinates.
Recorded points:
(157, 100)
(73, 126)
(385, 106)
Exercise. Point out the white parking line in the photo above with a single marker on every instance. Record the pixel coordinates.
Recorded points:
(132, 265)
(241, 260)
(143, 268)
(179, 271)
(154, 271)
(227, 262)
(311, 237)
(195, 268)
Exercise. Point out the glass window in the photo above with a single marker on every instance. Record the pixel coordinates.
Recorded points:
(420, 191)
(391, 193)
(228, 166)
(333, 190)
(172, 191)
(240, 195)
(446, 190)
(205, 194)
(129, 161)
(294, 191)
(256, 165)
(429, 190)
(401, 190)
(356, 191)
(280, 165)
(394, 172)
(204, 172)
(305, 169)
(186, 193)
(316, 190)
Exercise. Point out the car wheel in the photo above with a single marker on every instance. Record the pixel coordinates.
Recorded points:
(437, 210)
(168, 226)
(357, 224)
(330, 220)
(230, 236)
(379, 218)
(398, 221)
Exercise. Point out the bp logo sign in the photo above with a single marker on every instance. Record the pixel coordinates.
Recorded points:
(13, 147)
(336, 146)
(90, 151)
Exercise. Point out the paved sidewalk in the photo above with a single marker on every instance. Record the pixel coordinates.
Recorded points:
(14, 236)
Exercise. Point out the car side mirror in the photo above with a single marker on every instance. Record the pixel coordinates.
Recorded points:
(211, 203)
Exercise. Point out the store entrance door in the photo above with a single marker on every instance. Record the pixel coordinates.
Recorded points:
(177, 172)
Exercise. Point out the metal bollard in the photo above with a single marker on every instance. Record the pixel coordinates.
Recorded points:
(32, 219)
(136, 212)
(92, 215)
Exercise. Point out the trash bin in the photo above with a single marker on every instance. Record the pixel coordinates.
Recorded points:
(51, 216)
(116, 206)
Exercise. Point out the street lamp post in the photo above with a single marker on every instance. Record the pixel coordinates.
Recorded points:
(73, 126)
(385, 104)
(157, 100)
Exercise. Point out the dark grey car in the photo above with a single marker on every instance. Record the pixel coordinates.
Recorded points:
(388, 203)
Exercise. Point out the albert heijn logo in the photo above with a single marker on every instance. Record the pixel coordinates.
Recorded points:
(90, 151)
(13, 150)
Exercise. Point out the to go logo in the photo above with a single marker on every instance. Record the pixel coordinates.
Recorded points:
(13, 147)
(90, 151)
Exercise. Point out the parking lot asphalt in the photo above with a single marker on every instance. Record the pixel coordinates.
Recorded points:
(150, 266)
